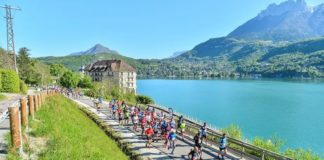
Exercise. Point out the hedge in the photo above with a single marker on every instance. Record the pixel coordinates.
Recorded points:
(10, 81)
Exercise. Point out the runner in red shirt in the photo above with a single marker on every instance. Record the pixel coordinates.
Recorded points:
(149, 133)
(143, 124)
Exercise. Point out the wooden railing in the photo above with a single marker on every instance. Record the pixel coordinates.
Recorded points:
(241, 148)
(19, 112)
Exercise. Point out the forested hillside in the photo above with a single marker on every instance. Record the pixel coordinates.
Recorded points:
(223, 57)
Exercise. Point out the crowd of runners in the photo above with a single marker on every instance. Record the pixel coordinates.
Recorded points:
(157, 126)
(154, 125)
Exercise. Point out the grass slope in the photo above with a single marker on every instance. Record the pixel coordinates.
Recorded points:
(72, 135)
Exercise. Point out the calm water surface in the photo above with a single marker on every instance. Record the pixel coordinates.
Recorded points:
(294, 111)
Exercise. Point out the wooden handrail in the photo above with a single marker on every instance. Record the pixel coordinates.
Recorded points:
(244, 145)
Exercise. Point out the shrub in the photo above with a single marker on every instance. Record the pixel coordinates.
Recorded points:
(23, 87)
(144, 99)
(233, 131)
(10, 81)
(85, 82)
(274, 144)
(302, 154)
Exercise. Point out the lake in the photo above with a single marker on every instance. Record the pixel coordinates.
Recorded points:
(292, 110)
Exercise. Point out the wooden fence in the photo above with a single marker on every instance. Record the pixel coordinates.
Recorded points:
(19, 112)
(239, 147)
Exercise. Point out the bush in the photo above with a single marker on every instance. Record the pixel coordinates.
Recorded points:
(302, 154)
(10, 81)
(233, 131)
(274, 144)
(23, 87)
(144, 99)
(85, 82)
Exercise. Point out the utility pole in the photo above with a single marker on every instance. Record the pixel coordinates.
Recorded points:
(10, 34)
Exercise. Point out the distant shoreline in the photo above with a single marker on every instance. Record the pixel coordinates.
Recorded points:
(319, 80)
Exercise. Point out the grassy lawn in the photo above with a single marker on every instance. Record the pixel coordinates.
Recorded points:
(2, 97)
(71, 134)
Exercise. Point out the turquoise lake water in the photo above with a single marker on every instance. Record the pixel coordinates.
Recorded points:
(293, 110)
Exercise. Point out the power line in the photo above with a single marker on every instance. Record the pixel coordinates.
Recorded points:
(10, 34)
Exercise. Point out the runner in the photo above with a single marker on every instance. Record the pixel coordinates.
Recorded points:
(164, 127)
(172, 124)
(179, 121)
(172, 138)
(222, 146)
(132, 113)
(182, 127)
(143, 123)
(203, 133)
(198, 142)
(126, 114)
(148, 118)
(165, 137)
(114, 110)
(193, 154)
(135, 122)
(149, 134)
(156, 132)
(120, 115)
(96, 103)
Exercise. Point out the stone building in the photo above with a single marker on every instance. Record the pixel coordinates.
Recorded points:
(116, 71)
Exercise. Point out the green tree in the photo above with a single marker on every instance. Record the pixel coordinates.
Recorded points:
(57, 70)
(40, 74)
(6, 60)
(85, 82)
(144, 99)
(24, 63)
(69, 79)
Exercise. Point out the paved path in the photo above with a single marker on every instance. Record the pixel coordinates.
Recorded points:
(157, 151)
(4, 121)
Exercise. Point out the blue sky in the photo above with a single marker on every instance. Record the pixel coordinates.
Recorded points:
(135, 28)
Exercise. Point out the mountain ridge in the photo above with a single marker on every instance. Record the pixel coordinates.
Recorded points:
(97, 48)
(288, 21)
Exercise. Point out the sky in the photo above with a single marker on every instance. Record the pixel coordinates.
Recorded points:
(134, 28)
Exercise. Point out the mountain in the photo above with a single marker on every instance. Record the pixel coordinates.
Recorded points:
(74, 62)
(178, 53)
(223, 57)
(98, 48)
(284, 40)
(232, 48)
(288, 21)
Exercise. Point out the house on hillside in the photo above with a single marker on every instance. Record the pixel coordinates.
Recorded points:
(116, 71)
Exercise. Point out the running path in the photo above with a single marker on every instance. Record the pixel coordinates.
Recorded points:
(158, 151)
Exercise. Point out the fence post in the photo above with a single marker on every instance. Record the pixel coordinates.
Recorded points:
(31, 106)
(243, 150)
(15, 127)
(36, 103)
(23, 104)
(39, 101)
